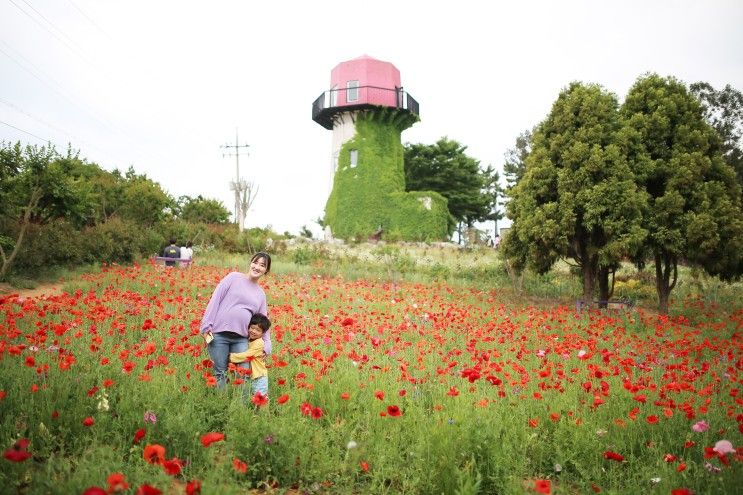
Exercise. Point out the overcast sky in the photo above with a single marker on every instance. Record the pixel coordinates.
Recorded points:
(161, 85)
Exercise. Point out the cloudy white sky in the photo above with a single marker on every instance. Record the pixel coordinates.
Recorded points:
(160, 85)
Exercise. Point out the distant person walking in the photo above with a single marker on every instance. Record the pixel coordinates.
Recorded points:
(226, 322)
(496, 242)
(171, 251)
(187, 254)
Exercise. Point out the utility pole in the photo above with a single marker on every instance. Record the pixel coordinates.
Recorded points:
(238, 185)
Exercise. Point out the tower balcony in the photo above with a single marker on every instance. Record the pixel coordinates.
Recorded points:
(335, 101)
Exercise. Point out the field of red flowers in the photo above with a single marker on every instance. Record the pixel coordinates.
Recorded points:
(375, 387)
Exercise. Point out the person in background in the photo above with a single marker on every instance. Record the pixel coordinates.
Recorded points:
(171, 251)
(259, 325)
(186, 254)
(226, 321)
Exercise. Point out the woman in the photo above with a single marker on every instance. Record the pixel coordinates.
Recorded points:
(227, 317)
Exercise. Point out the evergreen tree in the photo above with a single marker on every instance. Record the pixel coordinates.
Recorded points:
(694, 199)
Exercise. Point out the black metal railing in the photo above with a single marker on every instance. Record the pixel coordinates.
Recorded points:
(335, 100)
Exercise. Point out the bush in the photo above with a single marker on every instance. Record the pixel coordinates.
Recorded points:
(56, 243)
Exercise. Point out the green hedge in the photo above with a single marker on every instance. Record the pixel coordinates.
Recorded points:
(59, 244)
(372, 194)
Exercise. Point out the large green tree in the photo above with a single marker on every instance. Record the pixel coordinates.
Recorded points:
(444, 167)
(694, 199)
(201, 209)
(143, 200)
(723, 110)
(577, 198)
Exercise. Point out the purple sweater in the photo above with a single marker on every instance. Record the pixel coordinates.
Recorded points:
(232, 305)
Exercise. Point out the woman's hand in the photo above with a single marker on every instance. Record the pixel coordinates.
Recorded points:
(208, 337)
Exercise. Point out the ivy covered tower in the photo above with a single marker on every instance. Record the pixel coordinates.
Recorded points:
(367, 110)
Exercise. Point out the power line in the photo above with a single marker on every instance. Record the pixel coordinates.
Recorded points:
(58, 91)
(89, 19)
(25, 132)
(51, 126)
(67, 44)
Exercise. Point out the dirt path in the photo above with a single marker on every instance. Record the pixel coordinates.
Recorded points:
(41, 290)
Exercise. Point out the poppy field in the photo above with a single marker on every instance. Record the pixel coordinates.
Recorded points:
(374, 387)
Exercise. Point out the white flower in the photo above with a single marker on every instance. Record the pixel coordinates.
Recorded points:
(558, 468)
(351, 445)
(655, 481)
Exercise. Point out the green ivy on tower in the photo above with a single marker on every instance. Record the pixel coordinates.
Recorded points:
(372, 194)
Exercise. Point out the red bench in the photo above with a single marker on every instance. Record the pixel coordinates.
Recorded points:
(161, 260)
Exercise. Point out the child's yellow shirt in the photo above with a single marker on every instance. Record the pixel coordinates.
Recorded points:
(254, 354)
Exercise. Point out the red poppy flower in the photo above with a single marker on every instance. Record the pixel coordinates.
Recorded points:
(345, 396)
(259, 399)
(306, 408)
(652, 419)
(282, 399)
(613, 456)
(239, 465)
(453, 392)
(193, 487)
(95, 490)
(543, 486)
(364, 466)
(209, 438)
(681, 491)
(394, 411)
(316, 413)
(154, 454)
(173, 466)
(681, 467)
(18, 452)
(89, 421)
(117, 483)
(533, 422)
(139, 435)
(379, 395)
(148, 490)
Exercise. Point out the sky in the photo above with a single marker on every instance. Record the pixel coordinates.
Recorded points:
(163, 85)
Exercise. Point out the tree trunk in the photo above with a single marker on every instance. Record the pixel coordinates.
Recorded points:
(588, 268)
(604, 288)
(666, 275)
(32, 204)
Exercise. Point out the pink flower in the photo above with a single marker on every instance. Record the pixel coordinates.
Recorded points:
(700, 426)
(723, 447)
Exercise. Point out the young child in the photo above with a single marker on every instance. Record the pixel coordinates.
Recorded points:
(259, 324)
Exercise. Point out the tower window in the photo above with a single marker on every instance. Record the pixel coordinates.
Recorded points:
(352, 91)
(354, 158)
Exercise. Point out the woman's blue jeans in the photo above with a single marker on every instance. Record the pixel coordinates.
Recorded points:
(219, 351)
